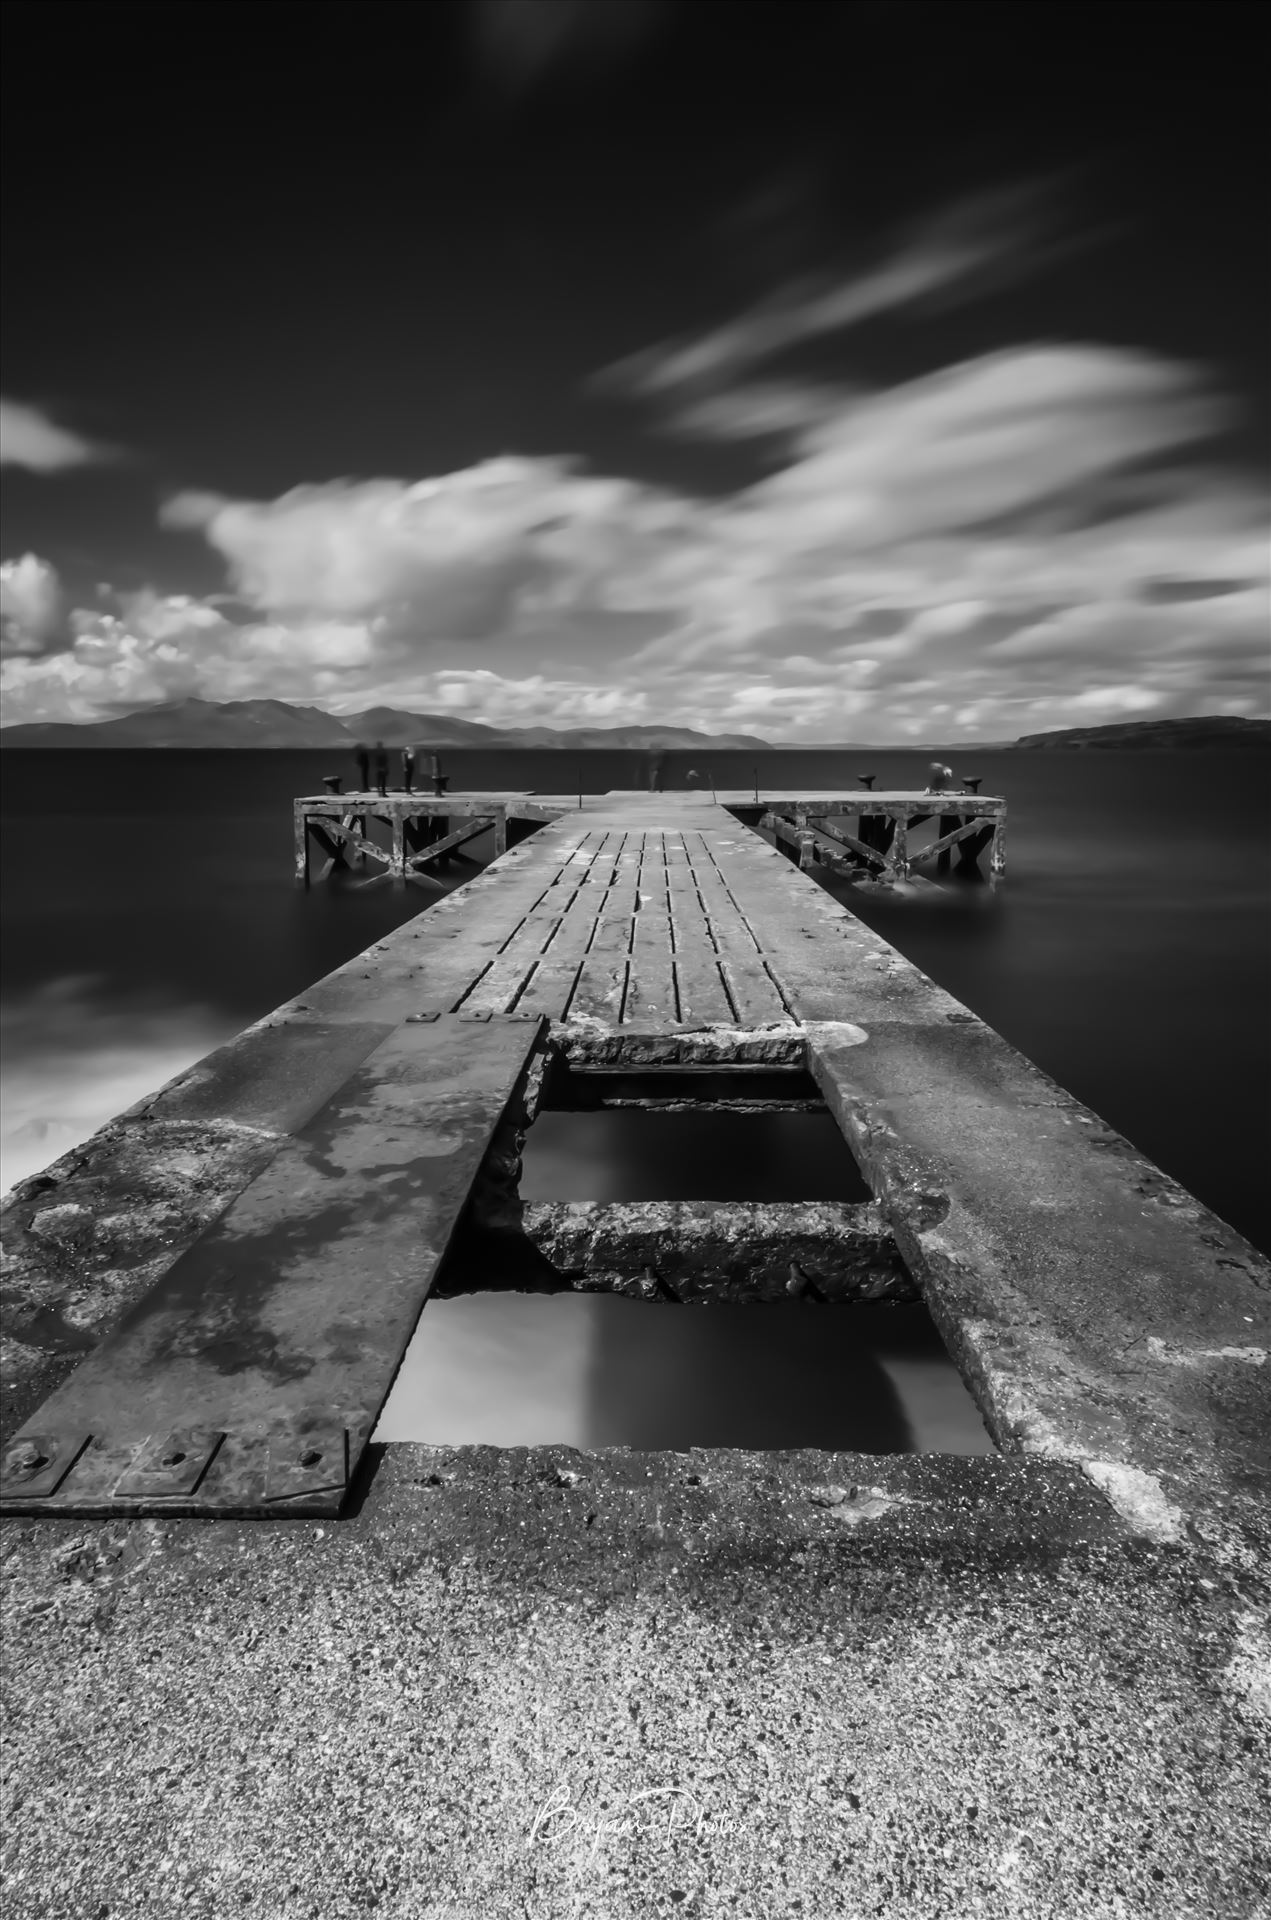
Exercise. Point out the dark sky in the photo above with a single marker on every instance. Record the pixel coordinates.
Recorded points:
(259, 246)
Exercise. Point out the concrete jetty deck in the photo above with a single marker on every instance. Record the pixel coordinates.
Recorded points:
(255, 1663)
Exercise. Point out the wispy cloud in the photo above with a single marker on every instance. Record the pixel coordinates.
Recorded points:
(519, 43)
(30, 439)
(959, 253)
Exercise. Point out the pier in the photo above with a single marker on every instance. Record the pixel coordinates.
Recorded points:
(948, 1684)
(879, 848)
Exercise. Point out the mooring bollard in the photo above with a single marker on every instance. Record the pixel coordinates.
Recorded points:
(333, 782)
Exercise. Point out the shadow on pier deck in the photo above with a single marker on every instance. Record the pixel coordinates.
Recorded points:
(944, 1685)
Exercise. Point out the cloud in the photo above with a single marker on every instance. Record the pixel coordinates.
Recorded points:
(991, 437)
(33, 611)
(970, 246)
(520, 43)
(980, 549)
(28, 438)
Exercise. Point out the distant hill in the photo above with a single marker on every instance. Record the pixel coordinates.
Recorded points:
(1204, 730)
(273, 723)
(192, 723)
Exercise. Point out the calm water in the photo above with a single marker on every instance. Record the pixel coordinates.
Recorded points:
(148, 914)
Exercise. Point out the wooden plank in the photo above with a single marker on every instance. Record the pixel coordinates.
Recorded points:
(284, 1324)
(454, 945)
(651, 994)
(503, 980)
(842, 842)
(435, 848)
(357, 842)
(945, 841)
(553, 980)
(602, 979)
(755, 996)
(703, 996)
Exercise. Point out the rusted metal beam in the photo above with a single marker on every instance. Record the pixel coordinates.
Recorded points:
(686, 1251)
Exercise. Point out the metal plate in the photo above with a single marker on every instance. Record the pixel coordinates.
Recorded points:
(35, 1464)
(169, 1464)
(308, 1463)
(291, 1312)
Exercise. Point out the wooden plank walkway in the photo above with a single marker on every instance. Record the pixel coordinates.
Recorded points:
(636, 929)
(1099, 1313)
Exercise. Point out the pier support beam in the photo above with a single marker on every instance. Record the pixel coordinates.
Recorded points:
(300, 827)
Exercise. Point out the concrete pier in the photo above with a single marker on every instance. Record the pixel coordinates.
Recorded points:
(256, 1663)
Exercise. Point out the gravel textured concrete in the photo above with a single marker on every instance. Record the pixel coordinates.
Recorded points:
(549, 1683)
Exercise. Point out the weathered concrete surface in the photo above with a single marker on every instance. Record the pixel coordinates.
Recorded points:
(691, 1251)
(521, 1686)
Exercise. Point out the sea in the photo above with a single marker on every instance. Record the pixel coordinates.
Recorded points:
(148, 913)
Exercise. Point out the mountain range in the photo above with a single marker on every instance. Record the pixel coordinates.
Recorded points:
(275, 723)
(1206, 730)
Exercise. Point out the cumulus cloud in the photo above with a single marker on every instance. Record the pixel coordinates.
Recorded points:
(1022, 541)
(33, 611)
(30, 439)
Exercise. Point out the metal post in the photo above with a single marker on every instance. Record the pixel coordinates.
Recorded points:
(397, 864)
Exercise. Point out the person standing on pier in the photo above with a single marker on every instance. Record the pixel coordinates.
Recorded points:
(408, 769)
(362, 755)
(657, 769)
(381, 768)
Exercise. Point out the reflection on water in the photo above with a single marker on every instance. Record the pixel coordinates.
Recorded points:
(626, 1153)
(512, 1369)
(587, 1370)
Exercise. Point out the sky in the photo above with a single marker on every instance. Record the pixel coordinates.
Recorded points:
(848, 371)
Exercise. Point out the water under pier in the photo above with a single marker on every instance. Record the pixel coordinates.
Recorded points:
(207, 1305)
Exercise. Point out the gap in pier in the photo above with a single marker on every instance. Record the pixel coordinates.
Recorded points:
(501, 1368)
